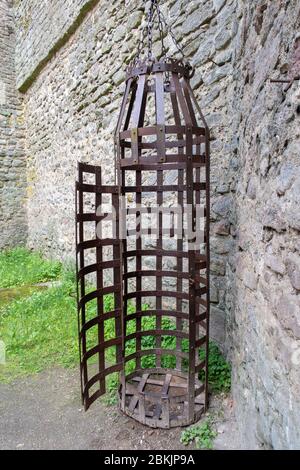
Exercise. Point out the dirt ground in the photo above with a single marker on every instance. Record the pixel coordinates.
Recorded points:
(44, 411)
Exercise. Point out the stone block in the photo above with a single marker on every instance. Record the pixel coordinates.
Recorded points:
(196, 19)
(217, 74)
(275, 263)
(293, 270)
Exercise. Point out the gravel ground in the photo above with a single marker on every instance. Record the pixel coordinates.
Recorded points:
(44, 411)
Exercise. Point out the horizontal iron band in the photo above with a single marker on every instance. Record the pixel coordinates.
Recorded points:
(200, 280)
(156, 166)
(88, 401)
(200, 291)
(163, 188)
(87, 168)
(162, 231)
(164, 313)
(161, 252)
(200, 366)
(97, 242)
(98, 293)
(89, 217)
(149, 209)
(159, 313)
(98, 320)
(157, 273)
(156, 293)
(168, 158)
(200, 341)
(201, 301)
(199, 390)
(97, 267)
(143, 69)
(152, 130)
(99, 376)
(99, 348)
(199, 258)
(157, 352)
(168, 144)
(93, 188)
(139, 334)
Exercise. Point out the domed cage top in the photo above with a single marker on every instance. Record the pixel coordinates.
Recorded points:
(143, 254)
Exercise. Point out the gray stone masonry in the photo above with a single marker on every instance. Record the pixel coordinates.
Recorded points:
(12, 157)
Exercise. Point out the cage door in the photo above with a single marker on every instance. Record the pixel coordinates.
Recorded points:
(99, 291)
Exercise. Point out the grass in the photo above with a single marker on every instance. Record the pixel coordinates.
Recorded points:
(20, 267)
(40, 330)
(202, 434)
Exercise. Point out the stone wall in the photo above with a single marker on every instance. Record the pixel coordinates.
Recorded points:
(12, 159)
(73, 81)
(42, 28)
(72, 106)
(264, 272)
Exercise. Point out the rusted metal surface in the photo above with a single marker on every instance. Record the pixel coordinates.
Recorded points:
(160, 129)
(188, 139)
(91, 291)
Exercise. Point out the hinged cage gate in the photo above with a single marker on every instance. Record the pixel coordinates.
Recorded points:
(92, 287)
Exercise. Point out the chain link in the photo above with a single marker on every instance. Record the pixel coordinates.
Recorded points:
(154, 14)
(170, 32)
(151, 13)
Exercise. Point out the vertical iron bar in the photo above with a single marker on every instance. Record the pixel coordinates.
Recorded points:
(77, 289)
(99, 273)
(191, 262)
(117, 276)
(207, 247)
(124, 288)
(138, 199)
(179, 236)
(160, 120)
(82, 281)
(159, 246)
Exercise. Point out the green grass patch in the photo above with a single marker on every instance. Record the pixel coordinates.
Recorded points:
(20, 267)
(40, 330)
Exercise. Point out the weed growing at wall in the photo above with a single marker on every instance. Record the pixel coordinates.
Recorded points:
(202, 434)
(219, 371)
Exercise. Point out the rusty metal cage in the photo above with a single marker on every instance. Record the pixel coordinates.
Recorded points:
(158, 287)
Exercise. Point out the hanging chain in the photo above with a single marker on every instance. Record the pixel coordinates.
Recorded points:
(151, 12)
(170, 32)
(161, 31)
(146, 38)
